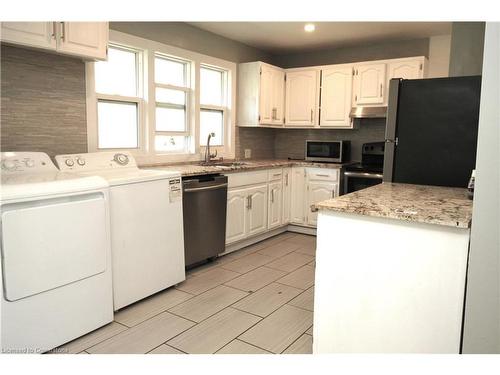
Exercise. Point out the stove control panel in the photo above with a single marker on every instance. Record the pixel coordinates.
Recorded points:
(26, 162)
(96, 161)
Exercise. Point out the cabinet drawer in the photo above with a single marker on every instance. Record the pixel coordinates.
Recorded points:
(246, 178)
(323, 174)
(275, 174)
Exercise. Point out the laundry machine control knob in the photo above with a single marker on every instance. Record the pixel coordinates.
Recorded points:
(69, 162)
(80, 161)
(121, 159)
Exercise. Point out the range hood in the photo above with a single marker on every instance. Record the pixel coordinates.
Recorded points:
(368, 112)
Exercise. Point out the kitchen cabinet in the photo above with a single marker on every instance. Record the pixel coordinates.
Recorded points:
(287, 187)
(236, 219)
(85, 39)
(297, 207)
(30, 34)
(406, 68)
(275, 205)
(336, 96)
(369, 84)
(261, 95)
(301, 94)
(318, 191)
(256, 210)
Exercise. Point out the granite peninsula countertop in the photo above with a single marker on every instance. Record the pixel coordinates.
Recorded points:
(415, 203)
(193, 169)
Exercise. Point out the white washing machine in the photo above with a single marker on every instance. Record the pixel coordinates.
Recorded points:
(147, 237)
(55, 254)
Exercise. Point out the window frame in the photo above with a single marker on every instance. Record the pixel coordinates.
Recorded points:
(93, 99)
(145, 153)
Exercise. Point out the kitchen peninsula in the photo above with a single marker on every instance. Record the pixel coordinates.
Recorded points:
(391, 270)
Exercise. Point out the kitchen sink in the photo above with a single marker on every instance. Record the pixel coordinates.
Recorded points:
(225, 164)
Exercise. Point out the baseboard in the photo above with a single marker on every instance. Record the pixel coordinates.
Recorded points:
(264, 236)
(252, 240)
(301, 229)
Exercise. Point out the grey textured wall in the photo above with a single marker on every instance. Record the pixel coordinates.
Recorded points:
(291, 142)
(183, 35)
(466, 50)
(379, 51)
(43, 102)
(260, 141)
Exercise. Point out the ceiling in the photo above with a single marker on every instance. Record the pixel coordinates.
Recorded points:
(285, 37)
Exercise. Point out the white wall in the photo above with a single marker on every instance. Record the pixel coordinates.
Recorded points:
(439, 56)
(482, 311)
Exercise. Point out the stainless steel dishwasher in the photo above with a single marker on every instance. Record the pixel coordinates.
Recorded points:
(204, 203)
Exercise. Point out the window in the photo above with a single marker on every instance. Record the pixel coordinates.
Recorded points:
(212, 105)
(161, 102)
(172, 103)
(118, 99)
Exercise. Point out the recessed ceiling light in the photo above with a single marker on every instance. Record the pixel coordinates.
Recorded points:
(309, 27)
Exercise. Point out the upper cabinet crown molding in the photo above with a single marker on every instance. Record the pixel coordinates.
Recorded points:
(88, 40)
(261, 95)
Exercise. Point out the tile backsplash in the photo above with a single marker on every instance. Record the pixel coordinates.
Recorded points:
(43, 102)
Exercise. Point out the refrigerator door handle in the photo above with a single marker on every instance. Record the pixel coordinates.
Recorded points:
(390, 129)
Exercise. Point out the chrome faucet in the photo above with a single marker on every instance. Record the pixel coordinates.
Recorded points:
(208, 155)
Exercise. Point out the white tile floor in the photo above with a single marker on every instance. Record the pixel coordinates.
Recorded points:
(258, 300)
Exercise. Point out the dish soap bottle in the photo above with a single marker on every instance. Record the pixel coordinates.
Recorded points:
(470, 186)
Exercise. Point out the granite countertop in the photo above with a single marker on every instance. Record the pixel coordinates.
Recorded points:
(415, 203)
(193, 169)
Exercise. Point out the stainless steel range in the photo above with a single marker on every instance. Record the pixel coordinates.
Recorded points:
(367, 173)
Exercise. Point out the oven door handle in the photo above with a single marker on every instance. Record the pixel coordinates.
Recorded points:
(375, 176)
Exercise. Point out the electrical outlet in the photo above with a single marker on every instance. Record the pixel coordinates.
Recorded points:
(248, 153)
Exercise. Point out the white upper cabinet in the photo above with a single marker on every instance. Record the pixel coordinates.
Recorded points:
(336, 96)
(89, 39)
(369, 84)
(261, 94)
(84, 39)
(301, 95)
(30, 34)
(406, 68)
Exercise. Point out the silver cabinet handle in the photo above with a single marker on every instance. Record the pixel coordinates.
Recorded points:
(286, 179)
(356, 97)
(248, 202)
(272, 195)
(53, 36)
(322, 175)
(312, 112)
(381, 90)
(63, 31)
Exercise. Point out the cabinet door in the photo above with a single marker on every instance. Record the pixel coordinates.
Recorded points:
(32, 34)
(297, 213)
(278, 101)
(411, 69)
(318, 191)
(287, 185)
(370, 84)
(257, 211)
(300, 98)
(236, 216)
(336, 97)
(275, 206)
(88, 39)
(266, 95)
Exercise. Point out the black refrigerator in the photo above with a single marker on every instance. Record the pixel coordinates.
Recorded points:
(431, 130)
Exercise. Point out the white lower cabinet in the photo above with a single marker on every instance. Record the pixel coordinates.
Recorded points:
(318, 191)
(257, 210)
(236, 221)
(310, 186)
(297, 206)
(275, 206)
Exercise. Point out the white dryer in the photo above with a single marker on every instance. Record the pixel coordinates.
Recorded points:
(147, 237)
(55, 254)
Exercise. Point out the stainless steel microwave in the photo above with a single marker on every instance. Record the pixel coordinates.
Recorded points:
(328, 151)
